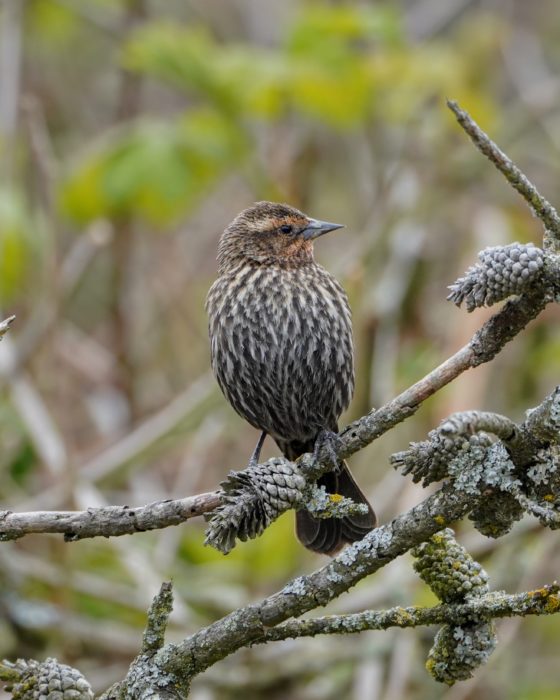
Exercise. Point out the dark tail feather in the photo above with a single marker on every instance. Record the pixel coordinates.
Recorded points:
(330, 535)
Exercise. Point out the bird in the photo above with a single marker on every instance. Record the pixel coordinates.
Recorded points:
(281, 349)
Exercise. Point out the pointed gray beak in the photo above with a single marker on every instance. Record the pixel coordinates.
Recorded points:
(316, 228)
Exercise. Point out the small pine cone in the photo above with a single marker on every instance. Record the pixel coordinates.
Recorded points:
(454, 576)
(459, 650)
(502, 271)
(496, 514)
(429, 461)
(251, 500)
(48, 680)
(448, 569)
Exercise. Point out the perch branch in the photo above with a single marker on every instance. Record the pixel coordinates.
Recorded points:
(112, 521)
(109, 521)
(485, 344)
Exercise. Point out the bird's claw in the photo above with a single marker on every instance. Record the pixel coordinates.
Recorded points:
(254, 459)
(329, 441)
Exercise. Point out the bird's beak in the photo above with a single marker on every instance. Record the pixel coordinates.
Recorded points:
(316, 228)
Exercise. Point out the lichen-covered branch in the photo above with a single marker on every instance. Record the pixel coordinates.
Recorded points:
(491, 606)
(158, 618)
(146, 680)
(246, 625)
(478, 473)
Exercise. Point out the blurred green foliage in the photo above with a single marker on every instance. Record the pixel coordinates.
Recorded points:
(19, 242)
(339, 66)
(152, 170)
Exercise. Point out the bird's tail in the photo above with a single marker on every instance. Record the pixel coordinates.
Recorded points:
(328, 536)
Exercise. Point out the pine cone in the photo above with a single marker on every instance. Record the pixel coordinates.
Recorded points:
(48, 680)
(459, 650)
(495, 515)
(429, 461)
(502, 271)
(454, 576)
(448, 569)
(252, 499)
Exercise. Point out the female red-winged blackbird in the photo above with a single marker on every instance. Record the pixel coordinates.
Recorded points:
(281, 346)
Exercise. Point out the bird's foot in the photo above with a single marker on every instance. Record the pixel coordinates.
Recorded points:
(329, 441)
(254, 459)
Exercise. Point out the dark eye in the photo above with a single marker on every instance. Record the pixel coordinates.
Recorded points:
(287, 228)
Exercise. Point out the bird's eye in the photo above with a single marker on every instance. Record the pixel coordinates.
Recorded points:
(286, 228)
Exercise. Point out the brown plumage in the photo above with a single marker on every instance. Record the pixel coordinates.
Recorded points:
(281, 347)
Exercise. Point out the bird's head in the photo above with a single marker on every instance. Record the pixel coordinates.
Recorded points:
(270, 233)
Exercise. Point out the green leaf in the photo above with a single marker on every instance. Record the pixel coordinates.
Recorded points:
(320, 28)
(187, 58)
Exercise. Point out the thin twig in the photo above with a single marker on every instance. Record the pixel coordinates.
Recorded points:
(541, 207)
(158, 618)
(5, 325)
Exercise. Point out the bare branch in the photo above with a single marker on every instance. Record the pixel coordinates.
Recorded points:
(109, 521)
(520, 182)
(5, 325)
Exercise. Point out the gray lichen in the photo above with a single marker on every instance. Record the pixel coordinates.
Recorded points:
(328, 505)
(296, 587)
(459, 650)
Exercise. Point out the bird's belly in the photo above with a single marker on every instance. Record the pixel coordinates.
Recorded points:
(278, 388)
(285, 366)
